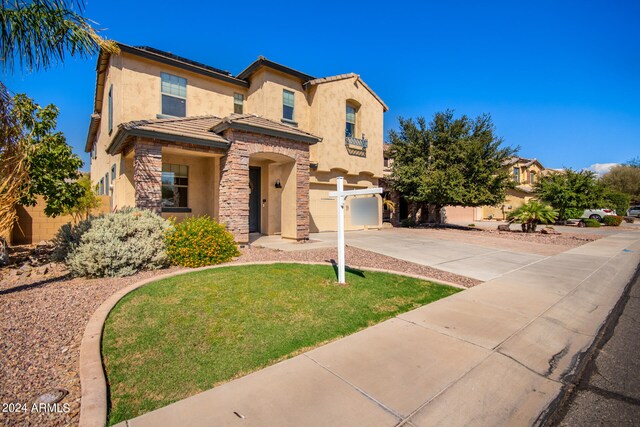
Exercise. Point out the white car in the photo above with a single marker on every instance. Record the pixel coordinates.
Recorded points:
(634, 211)
(597, 214)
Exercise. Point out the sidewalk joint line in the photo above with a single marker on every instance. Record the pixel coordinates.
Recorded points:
(358, 389)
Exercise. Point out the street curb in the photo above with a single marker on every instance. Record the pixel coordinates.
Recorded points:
(557, 409)
(93, 385)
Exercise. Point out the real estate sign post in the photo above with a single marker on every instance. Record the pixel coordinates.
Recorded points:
(341, 196)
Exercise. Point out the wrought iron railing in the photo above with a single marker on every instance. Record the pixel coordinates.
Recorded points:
(358, 142)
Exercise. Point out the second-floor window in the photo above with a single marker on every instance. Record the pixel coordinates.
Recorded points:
(238, 103)
(532, 177)
(351, 121)
(174, 95)
(110, 118)
(516, 175)
(287, 104)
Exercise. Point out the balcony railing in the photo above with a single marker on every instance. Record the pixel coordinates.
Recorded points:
(358, 142)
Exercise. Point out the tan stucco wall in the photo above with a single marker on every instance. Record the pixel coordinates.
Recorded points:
(34, 226)
(515, 199)
(328, 118)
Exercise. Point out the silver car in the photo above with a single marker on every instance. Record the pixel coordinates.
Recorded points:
(634, 211)
(597, 214)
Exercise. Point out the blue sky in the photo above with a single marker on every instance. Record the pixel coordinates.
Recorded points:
(560, 79)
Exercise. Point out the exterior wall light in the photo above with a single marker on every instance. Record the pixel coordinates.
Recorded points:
(278, 185)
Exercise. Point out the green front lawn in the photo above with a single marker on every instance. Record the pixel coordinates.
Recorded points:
(176, 337)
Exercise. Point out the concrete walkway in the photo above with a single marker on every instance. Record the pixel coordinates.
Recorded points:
(497, 354)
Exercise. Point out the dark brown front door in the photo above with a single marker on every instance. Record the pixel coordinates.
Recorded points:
(254, 199)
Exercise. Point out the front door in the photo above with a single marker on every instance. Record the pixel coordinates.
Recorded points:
(254, 199)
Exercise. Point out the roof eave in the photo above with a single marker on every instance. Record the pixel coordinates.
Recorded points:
(264, 62)
(94, 124)
(119, 141)
(310, 139)
(179, 64)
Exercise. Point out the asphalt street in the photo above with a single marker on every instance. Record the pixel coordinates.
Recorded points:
(608, 394)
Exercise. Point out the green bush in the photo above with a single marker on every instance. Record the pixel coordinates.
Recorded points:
(199, 241)
(591, 222)
(68, 238)
(408, 222)
(572, 213)
(612, 220)
(120, 244)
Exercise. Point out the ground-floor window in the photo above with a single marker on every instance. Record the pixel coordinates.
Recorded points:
(175, 185)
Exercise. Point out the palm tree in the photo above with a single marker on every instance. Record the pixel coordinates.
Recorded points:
(531, 214)
(38, 33)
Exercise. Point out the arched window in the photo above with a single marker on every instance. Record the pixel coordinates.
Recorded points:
(350, 129)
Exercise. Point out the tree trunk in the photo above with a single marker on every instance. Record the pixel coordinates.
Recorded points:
(4, 252)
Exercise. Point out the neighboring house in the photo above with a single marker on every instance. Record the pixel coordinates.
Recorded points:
(259, 151)
(525, 173)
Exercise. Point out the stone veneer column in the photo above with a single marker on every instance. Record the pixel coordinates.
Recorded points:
(147, 175)
(302, 195)
(234, 189)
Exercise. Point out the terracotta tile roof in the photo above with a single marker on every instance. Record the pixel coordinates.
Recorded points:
(251, 122)
(205, 130)
(194, 127)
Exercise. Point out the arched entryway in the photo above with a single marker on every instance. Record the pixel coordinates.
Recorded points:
(272, 199)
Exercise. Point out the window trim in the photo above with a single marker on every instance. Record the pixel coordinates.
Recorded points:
(293, 106)
(355, 120)
(186, 84)
(236, 97)
(176, 208)
(110, 110)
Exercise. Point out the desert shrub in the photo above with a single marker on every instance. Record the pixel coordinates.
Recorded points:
(408, 222)
(120, 244)
(612, 220)
(591, 222)
(199, 241)
(68, 238)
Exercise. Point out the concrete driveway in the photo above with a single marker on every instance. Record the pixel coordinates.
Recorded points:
(483, 260)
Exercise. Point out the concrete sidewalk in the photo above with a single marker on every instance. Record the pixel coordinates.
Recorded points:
(497, 354)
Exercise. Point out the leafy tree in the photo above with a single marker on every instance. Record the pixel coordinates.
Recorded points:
(531, 214)
(38, 33)
(449, 162)
(570, 189)
(52, 167)
(616, 200)
(86, 203)
(624, 179)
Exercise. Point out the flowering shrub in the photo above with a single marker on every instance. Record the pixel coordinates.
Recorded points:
(199, 241)
(612, 220)
(120, 244)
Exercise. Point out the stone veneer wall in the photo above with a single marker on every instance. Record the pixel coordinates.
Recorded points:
(147, 174)
(234, 180)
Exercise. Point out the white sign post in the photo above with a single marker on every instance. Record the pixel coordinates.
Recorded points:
(341, 196)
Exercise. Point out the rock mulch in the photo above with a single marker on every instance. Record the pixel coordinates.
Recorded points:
(43, 315)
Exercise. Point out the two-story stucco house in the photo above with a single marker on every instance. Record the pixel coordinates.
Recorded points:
(525, 173)
(259, 151)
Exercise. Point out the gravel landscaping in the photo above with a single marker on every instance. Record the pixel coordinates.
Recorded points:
(43, 316)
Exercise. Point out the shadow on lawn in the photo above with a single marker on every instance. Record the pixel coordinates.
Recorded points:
(347, 269)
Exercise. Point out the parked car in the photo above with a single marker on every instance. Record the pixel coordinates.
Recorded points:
(597, 214)
(634, 211)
